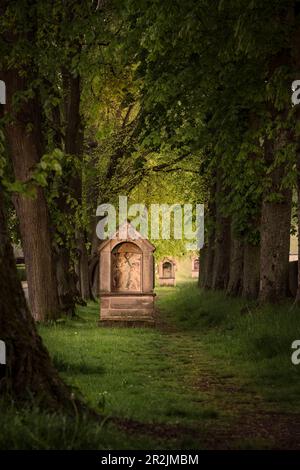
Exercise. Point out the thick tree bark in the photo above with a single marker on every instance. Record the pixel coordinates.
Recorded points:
(222, 254)
(235, 283)
(222, 242)
(66, 285)
(66, 282)
(275, 244)
(30, 374)
(74, 146)
(275, 234)
(94, 275)
(26, 150)
(83, 267)
(251, 271)
(203, 270)
(94, 261)
(276, 205)
(210, 256)
(207, 252)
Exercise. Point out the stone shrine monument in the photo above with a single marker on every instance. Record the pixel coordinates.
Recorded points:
(166, 272)
(195, 267)
(126, 278)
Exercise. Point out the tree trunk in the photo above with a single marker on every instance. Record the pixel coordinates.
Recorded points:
(83, 263)
(275, 244)
(94, 261)
(251, 271)
(235, 283)
(222, 254)
(74, 146)
(30, 374)
(209, 262)
(203, 269)
(26, 150)
(222, 242)
(66, 283)
(94, 275)
(275, 233)
(207, 253)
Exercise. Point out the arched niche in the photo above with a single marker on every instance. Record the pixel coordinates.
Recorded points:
(126, 278)
(166, 272)
(167, 269)
(126, 268)
(195, 266)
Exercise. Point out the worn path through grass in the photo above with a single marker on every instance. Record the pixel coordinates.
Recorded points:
(181, 385)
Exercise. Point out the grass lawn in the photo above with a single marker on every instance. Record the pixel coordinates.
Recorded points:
(215, 373)
(252, 343)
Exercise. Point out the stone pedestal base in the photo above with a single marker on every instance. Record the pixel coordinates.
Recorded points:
(167, 281)
(195, 274)
(126, 309)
